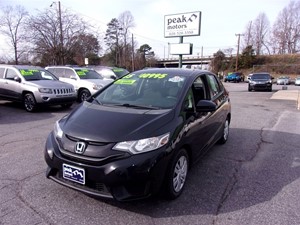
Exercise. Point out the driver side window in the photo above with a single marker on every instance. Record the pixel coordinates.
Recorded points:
(10, 74)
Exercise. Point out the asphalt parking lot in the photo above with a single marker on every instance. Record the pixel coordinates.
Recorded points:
(252, 179)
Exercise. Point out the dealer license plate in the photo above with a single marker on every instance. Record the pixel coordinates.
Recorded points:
(73, 173)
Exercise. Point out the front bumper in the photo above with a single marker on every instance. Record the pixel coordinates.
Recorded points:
(128, 178)
(260, 86)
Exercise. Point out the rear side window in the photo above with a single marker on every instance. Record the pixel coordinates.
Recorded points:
(10, 74)
(2, 72)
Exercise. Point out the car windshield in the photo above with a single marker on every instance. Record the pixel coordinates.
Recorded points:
(88, 74)
(143, 90)
(260, 76)
(36, 74)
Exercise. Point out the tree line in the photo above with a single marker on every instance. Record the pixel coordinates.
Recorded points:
(261, 39)
(57, 36)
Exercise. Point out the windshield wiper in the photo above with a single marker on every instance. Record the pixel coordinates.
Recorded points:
(137, 106)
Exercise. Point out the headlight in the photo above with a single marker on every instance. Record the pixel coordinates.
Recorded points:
(58, 133)
(97, 86)
(143, 145)
(45, 90)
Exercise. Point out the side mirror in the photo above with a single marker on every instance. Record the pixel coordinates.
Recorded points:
(17, 79)
(206, 106)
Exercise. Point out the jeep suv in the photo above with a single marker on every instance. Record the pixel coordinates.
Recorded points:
(85, 80)
(33, 86)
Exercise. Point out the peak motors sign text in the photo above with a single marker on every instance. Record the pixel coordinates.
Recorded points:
(185, 24)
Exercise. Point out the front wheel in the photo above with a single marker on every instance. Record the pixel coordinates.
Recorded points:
(29, 102)
(177, 174)
(83, 95)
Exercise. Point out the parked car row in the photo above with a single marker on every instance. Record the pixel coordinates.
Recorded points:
(54, 85)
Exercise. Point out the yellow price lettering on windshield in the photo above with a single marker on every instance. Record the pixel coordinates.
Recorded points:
(153, 75)
(128, 76)
(122, 81)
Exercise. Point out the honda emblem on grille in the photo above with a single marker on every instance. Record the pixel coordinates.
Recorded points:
(80, 147)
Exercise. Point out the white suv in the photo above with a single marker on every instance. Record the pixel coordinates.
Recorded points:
(85, 80)
(34, 85)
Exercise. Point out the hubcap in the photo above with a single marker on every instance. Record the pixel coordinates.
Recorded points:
(226, 130)
(180, 172)
(29, 102)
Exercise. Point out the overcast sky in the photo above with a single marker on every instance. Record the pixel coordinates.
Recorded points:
(221, 19)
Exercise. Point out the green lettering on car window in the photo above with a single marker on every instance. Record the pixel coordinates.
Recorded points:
(81, 72)
(28, 72)
(127, 82)
(153, 75)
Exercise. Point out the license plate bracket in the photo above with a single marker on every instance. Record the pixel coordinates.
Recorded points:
(74, 173)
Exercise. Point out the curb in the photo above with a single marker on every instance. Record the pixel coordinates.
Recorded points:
(288, 95)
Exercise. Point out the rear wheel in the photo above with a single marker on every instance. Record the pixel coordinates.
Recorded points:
(29, 102)
(177, 174)
(225, 135)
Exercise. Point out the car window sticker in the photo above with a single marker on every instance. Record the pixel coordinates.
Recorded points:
(176, 79)
(28, 72)
(125, 81)
(81, 72)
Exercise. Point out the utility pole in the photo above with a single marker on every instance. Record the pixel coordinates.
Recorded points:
(61, 47)
(238, 49)
(61, 35)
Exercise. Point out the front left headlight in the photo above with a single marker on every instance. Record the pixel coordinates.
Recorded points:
(97, 86)
(45, 90)
(143, 145)
(58, 133)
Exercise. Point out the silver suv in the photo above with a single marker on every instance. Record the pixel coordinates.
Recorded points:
(85, 80)
(32, 86)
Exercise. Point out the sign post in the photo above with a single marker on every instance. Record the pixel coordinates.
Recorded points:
(182, 25)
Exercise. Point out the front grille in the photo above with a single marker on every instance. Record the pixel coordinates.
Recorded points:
(63, 91)
(91, 187)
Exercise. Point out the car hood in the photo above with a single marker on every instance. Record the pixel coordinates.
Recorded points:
(48, 84)
(114, 124)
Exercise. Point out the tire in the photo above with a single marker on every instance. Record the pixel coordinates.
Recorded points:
(177, 174)
(249, 89)
(29, 102)
(83, 95)
(225, 134)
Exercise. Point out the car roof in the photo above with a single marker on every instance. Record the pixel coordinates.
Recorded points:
(22, 66)
(175, 71)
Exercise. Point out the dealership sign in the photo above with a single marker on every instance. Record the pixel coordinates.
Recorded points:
(184, 24)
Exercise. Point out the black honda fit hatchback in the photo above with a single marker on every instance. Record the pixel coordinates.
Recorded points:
(140, 134)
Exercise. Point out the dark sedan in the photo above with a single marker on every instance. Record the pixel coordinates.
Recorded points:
(260, 82)
(140, 134)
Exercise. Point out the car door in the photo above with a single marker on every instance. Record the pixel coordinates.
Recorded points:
(197, 125)
(2, 81)
(11, 89)
(217, 94)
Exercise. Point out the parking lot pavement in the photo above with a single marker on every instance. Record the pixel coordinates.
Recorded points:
(288, 95)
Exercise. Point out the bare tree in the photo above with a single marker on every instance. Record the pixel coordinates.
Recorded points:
(12, 25)
(126, 22)
(256, 33)
(46, 30)
(286, 29)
